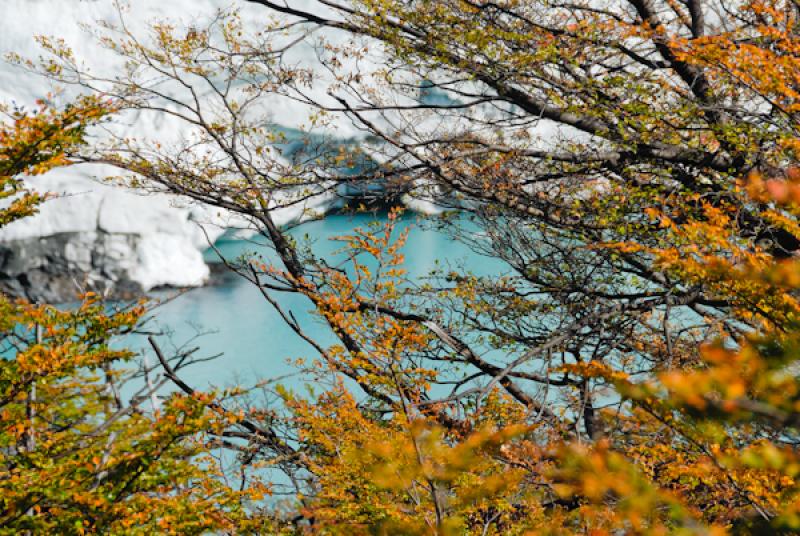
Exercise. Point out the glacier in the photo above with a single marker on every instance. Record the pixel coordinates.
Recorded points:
(93, 235)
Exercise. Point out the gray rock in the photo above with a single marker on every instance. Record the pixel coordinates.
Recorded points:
(58, 268)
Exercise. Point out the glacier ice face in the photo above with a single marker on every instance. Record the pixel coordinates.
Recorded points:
(92, 233)
(97, 235)
(94, 236)
(168, 259)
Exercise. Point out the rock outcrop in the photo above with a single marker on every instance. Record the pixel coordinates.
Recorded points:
(57, 268)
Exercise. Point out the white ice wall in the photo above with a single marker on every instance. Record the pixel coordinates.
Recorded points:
(168, 241)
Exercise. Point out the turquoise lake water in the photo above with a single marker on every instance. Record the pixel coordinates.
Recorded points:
(254, 341)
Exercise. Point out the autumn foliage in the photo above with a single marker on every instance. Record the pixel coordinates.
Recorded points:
(78, 452)
(632, 369)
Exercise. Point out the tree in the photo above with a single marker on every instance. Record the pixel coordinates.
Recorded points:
(87, 445)
(630, 240)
